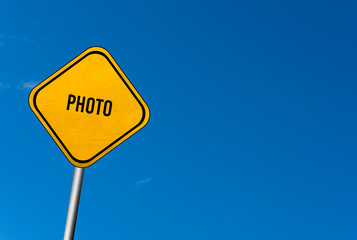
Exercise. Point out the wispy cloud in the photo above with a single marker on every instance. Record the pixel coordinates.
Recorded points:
(142, 182)
(4, 86)
(5, 39)
(2, 36)
(28, 85)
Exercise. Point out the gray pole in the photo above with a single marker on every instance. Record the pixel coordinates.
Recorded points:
(73, 203)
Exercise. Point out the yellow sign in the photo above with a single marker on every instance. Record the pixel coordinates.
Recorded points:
(89, 107)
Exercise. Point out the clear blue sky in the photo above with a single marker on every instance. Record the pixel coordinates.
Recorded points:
(252, 132)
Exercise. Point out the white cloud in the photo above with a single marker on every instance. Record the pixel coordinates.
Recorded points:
(142, 182)
(28, 85)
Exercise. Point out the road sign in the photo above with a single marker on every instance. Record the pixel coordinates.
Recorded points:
(89, 107)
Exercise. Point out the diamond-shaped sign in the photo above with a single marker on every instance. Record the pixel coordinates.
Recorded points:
(89, 107)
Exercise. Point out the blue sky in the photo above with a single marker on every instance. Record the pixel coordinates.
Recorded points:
(252, 133)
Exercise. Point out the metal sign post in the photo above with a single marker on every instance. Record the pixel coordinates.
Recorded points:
(73, 203)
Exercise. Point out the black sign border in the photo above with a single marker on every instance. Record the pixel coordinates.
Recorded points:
(114, 142)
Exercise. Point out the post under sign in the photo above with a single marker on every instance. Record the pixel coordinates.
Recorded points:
(89, 107)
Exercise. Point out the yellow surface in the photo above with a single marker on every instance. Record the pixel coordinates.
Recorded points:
(85, 137)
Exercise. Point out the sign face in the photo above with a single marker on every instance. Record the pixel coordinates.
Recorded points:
(89, 107)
